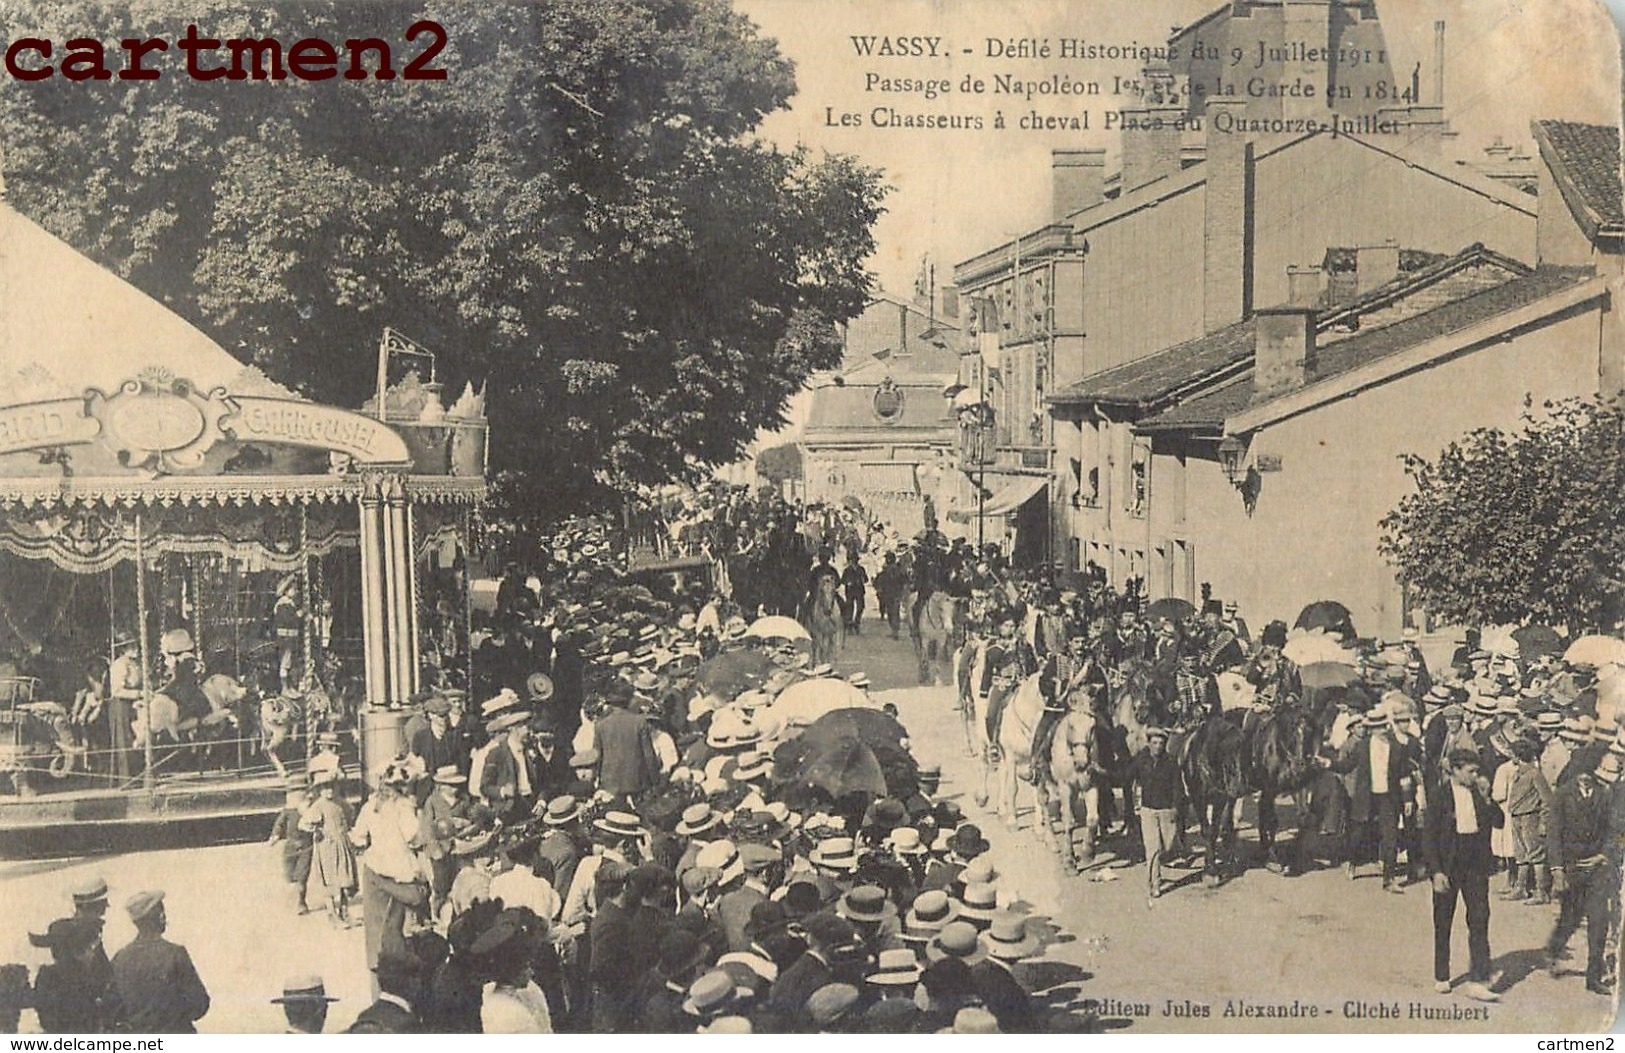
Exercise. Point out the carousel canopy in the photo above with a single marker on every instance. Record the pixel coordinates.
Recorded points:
(70, 325)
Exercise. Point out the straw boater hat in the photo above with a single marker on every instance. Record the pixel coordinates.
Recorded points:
(697, 819)
(959, 940)
(619, 824)
(303, 989)
(539, 686)
(1548, 720)
(448, 775)
(1438, 695)
(561, 810)
(931, 911)
(821, 670)
(1608, 769)
(979, 871)
(1576, 730)
(897, 967)
(722, 856)
(859, 680)
(503, 701)
(712, 995)
(978, 904)
(753, 764)
(1008, 939)
(1483, 706)
(92, 890)
(835, 853)
(176, 641)
(866, 904)
(505, 722)
(905, 841)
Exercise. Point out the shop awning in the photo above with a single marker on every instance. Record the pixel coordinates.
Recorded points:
(1007, 499)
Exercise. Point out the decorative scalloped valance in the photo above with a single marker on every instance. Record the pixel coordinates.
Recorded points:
(85, 538)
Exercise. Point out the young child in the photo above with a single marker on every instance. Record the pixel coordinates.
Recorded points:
(328, 818)
(296, 841)
(1528, 797)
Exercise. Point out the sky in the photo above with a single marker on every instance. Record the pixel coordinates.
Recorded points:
(958, 192)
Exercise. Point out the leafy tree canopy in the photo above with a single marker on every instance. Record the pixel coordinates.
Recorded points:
(1527, 526)
(579, 216)
(778, 463)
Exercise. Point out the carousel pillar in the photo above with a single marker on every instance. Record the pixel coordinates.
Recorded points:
(372, 591)
(414, 601)
(146, 654)
(398, 560)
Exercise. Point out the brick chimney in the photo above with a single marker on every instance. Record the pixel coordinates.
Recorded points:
(1077, 180)
(1227, 227)
(1151, 145)
(1284, 354)
(1303, 286)
(1375, 266)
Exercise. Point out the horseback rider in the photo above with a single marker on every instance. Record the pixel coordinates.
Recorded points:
(1064, 673)
(1196, 693)
(1005, 665)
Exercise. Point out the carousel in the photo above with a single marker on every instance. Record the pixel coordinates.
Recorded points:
(201, 571)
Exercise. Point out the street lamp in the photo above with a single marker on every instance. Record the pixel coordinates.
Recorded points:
(1232, 451)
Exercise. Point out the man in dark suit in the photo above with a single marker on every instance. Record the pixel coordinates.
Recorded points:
(1456, 845)
(156, 988)
(434, 743)
(627, 764)
(1008, 942)
(1577, 833)
(827, 934)
(400, 976)
(1384, 768)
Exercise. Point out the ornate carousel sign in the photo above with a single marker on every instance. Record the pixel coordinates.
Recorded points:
(165, 425)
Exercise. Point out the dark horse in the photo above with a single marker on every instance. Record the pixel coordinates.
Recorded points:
(1230, 756)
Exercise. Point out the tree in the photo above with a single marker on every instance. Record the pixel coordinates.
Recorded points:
(578, 216)
(1527, 526)
(778, 463)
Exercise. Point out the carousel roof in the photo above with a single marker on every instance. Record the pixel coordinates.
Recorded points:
(68, 325)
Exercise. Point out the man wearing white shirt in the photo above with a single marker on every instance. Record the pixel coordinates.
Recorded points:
(1456, 844)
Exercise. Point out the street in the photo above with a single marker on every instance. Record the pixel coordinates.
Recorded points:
(1332, 955)
(1355, 957)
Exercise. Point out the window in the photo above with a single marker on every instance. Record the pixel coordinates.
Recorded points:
(1139, 479)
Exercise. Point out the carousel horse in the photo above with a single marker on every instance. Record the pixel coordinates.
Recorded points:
(825, 623)
(166, 722)
(37, 736)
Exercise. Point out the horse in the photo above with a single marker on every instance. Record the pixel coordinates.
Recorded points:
(1011, 751)
(1076, 772)
(931, 626)
(1230, 756)
(40, 738)
(224, 721)
(825, 623)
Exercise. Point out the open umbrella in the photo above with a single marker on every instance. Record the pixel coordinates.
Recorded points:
(1534, 641)
(873, 727)
(803, 703)
(1328, 674)
(1596, 650)
(1328, 616)
(734, 671)
(1311, 647)
(839, 766)
(1172, 608)
(778, 627)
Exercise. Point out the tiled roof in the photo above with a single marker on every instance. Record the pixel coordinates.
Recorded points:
(1586, 161)
(1148, 382)
(1210, 411)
